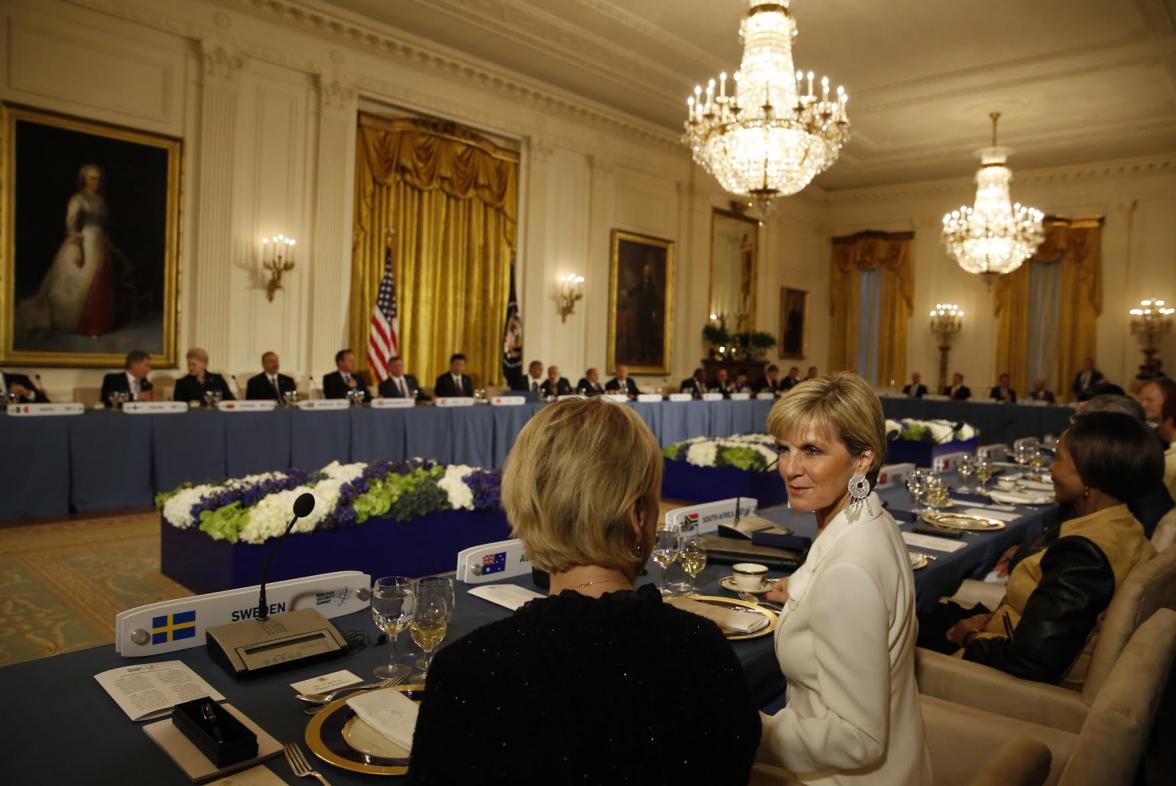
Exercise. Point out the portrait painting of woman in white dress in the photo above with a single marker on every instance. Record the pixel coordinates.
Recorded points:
(77, 294)
(92, 262)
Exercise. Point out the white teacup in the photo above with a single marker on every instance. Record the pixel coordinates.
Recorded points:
(749, 576)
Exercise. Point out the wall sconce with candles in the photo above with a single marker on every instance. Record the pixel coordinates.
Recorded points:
(1150, 320)
(571, 289)
(277, 256)
(946, 322)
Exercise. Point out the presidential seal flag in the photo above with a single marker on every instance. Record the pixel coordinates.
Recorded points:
(512, 337)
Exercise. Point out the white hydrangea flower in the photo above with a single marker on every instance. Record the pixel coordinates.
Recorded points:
(269, 517)
(461, 497)
(702, 454)
(941, 430)
(177, 511)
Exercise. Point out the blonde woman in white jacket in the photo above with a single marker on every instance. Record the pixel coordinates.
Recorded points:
(846, 639)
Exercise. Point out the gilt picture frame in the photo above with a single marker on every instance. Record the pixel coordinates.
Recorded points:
(794, 309)
(90, 254)
(640, 303)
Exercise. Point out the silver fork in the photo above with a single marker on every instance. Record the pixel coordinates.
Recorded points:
(299, 765)
(327, 698)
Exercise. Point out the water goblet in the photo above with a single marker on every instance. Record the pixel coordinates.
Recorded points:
(966, 467)
(665, 551)
(916, 484)
(984, 470)
(393, 601)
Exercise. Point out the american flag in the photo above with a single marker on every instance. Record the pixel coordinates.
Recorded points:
(384, 331)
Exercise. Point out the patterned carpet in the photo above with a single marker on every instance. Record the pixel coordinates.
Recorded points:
(62, 583)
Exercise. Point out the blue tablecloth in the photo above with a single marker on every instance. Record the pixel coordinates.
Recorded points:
(110, 459)
(34, 475)
(202, 459)
(256, 442)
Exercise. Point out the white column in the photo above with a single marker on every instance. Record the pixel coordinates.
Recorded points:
(210, 267)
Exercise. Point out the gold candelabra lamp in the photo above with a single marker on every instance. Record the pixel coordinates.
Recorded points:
(277, 256)
(946, 321)
(571, 289)
(1150, 320)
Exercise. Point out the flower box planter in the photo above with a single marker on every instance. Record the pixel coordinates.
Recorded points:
(922, 453)
(379, 547)
(685, 481)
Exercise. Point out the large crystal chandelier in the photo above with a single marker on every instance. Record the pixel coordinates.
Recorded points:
(993, 237)
(776, 130)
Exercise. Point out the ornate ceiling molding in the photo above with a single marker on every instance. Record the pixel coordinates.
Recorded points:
(1104, 170)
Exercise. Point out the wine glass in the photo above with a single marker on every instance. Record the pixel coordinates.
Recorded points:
(984, 470)
(916, 484)
(936, 493)
(966, 467)
(430, 622)
(693, 559)
(393, 603)
(665, 551)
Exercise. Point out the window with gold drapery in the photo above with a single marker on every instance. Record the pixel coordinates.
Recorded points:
(448, 199)
(1075, 245)
(890, 253)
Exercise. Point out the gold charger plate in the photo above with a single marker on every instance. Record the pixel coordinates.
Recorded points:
(335, 735)
(963, 521)
(715, 600)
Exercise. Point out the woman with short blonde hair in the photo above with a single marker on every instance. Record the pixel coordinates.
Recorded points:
(199, 381)
(590, 684)
(846, 638)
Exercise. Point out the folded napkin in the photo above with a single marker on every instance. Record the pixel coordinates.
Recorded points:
(1036, 485)
(389, 712)
(729, 620)
(1022, 497)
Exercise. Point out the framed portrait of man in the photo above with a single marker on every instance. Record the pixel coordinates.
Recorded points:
(640, 303)
(90, 257)
(793, 323)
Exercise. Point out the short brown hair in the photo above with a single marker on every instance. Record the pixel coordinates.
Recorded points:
(576, 470)
(1115, 453)
(842, 402)
(199, 354)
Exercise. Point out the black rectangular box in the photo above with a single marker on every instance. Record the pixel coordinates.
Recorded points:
(215, 731)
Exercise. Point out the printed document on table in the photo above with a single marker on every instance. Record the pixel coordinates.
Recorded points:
(150, 690)
(509, 596)
(932, 543)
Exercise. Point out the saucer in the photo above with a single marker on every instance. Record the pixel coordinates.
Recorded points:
(728, 583)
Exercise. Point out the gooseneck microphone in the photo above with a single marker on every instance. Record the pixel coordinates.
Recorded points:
(955, 428)
(302, 508)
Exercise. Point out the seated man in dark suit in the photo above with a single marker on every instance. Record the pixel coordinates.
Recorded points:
(22, 388)
(957, 390)
(590, 384)
(344, 378)
(792, 380)
(771, 382)
(742, 385)
(722, 384)
(199, 381)
(555, 385)
(454, 383)
(1003, 391)
(269, 384)
(1039, 392)
(1085, 380)
(622, 383)
(694, 385)
(398, 384)
(132, 380)
(916, 389)
(533, 381)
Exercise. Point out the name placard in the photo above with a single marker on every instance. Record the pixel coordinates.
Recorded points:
(740, 396)
(712, 396)
(45, 410)
(155, 407)
(620, 398)
(455, 401)
(323, 404)
(259, 405)
(393, 403)
(707, 516)
(508, 401)
(681, 397)
(766, 395)
(649, 397)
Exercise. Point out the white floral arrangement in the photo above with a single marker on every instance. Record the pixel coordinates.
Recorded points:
(937, 431)
(752, 452)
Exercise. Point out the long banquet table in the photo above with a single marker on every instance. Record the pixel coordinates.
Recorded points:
(63, 728)
(102, 461)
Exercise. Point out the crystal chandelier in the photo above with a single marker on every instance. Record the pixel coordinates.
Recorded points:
(993, 237)
(775, 132)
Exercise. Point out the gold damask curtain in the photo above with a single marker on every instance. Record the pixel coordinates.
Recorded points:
(450, 200)
(1076, 245)
(890, 252)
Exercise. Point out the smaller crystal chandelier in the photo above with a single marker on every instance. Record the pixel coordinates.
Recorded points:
(993, 237)
(774, 133)
(1150, 320)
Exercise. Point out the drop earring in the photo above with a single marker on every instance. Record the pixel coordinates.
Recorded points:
(859, 489)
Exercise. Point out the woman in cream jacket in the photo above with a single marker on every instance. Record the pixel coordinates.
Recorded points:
(846, 638)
